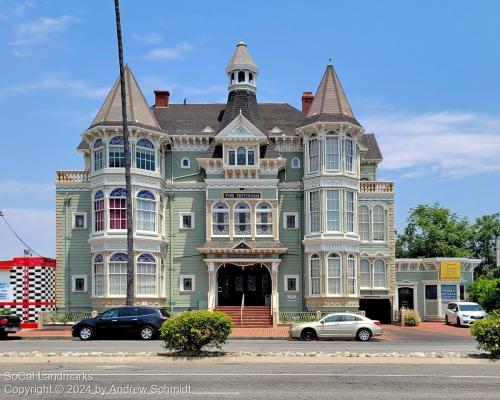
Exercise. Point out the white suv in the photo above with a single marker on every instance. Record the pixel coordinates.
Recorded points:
(463, 313)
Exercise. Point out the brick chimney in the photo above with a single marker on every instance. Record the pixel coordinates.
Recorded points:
(307, 100)
(161, 98)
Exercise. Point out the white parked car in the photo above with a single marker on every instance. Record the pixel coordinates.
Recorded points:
(463, 313)
(341, 325)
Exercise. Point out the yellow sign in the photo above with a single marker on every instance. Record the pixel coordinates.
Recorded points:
(450, 270)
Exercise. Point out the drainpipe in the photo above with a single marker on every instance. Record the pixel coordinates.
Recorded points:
(300, 195)
(67, 201)
(170, 235)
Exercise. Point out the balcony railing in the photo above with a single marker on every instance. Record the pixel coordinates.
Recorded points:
(72, 176)
(377, 187)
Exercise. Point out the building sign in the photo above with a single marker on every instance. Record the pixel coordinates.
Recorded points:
(450, 270)
(448, 292)
(5, 291)
(242, 195)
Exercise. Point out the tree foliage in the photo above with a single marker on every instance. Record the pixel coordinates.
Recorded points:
(434, 231)
(487, 333)
(483, 244)
(486, 292)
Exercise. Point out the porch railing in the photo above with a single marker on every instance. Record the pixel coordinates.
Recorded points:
(72, 176)
(376, 187)
(241, 309)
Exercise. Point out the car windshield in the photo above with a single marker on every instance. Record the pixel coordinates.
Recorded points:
(470, 307)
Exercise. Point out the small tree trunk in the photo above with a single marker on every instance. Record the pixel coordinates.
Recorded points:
(126, 148)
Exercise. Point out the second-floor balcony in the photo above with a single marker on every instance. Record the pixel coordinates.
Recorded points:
(376, 187)
(72, 176)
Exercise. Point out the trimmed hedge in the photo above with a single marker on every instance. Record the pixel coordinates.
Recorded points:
(487, 333)
(192, 331)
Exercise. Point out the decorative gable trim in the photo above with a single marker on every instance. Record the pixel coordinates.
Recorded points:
(241, 129)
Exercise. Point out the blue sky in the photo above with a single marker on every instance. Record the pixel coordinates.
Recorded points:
(422, 75)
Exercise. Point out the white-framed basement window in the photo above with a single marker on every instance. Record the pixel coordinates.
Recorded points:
(291, 283)
(187, 283)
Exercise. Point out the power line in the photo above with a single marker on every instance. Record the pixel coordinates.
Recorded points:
(19, 237)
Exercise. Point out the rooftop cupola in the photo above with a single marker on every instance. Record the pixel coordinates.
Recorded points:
(241, 70)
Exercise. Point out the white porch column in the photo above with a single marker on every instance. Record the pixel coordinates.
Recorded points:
(274, 295)
(211, 286)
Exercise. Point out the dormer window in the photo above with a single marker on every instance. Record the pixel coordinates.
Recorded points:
(116, 153)
(241, 156)
(145, 155)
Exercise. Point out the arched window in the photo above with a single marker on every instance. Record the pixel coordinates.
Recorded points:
(118, 274)
(241, 77)
(314, 155)
(146, 211)
(349, 155)
(379, 278)
(98, 153)
(351, 275)
(333, 210)
(334, 274)
(241, 219)
(332, 153)
(99, 211)
(378, 223)
(116, 158)
(145, 155)
(220, 219)
(98, 276)
(146, 275)
(295, 162)
(364, 274)
(314, 275)
(185, 163)
(364, 223)
(242, 156)
(264, 214)
(118, 209)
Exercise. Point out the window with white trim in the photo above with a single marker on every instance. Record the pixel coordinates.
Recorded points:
(364, 223)
(79, 220)
(185, 163)
(351, 275)
(291, 283)
(349, 155)
(296, 163)
(379, 274)
(290, 220)
(364, 274)
(378, 223)
(220, 220)
(187, 283)
(145, 215)
(98, 154)
(116, 155)
(79, 283)
(186, 220)
(118, 209)
(333, 210)
(264, 217)
(145, 154)
(117, 276)
(314, 275)
(314, 212)
(99, 211)
(314, 155)
(98, 276)
(332, 154)
(349, 211)
(241, 156)
(334, 274)
(241, 219)
(146, 275)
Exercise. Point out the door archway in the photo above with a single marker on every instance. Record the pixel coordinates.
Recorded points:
(405, 297)
(253, 281)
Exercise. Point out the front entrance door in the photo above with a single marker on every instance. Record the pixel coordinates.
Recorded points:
(233, 281)
(405, 297)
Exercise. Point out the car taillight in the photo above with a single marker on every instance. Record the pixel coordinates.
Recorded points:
(4, 321)
(376, 323)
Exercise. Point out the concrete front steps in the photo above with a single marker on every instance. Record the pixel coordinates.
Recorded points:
(253, 316)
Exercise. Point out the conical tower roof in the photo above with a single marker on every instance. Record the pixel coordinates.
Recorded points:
(138, 112)
(330, 102)
(241, 59)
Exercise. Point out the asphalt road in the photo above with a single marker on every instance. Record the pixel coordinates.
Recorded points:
(256, 381)
(457, 344)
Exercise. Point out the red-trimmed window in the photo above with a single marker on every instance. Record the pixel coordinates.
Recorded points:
(99, 211)
(118, 209)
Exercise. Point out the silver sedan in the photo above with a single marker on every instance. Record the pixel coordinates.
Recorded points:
(338, 325)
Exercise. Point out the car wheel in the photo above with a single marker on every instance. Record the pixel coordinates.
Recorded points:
(86, 333)
(364, 335)
(458, 322)
(308, 334)
(147, 333)
(446, 321)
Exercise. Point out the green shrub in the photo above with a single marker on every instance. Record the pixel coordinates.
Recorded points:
(486, 292)
(487, 333)
(192, 331)
(411, 318)
(5, 311)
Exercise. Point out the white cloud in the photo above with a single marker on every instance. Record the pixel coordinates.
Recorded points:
(148, 37)
(169, 53)
(51, 82)
(18, 10)
(35, 227)
(41, 29)
(14, 188)
(445, 144)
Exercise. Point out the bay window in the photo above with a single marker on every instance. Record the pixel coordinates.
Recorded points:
(349, 155)
(364, 274)
(314, 155)
(315, 275)
(350, 211)
(117, 275)
(116, 155)
(351, 275)
(334, 274)
(364, 223)
(314, 212)
(145, 211)
(242, 219)
(146, 275)
(220, 219)
(145, 155)
(118, 209)
(99, 211)
(379, 275)
(98, 154)
(378, 223)
(332, 154)
(264, 214)
(333, 210)
(98, 276)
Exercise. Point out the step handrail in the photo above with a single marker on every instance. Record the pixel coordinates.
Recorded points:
(242, 307)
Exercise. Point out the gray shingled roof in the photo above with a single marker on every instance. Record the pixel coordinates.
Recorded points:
(370, 141)
(241, 59)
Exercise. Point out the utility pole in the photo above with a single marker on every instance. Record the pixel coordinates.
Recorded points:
(126, 148)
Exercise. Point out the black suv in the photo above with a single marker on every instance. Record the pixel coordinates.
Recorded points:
(144, 322)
